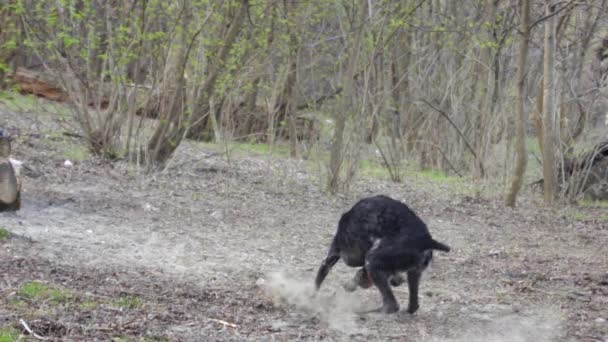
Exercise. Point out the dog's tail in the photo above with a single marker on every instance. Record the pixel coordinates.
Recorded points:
(432, 244)
(332, 258)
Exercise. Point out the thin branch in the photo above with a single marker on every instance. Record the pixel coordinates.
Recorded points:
(318, 101)
(31, 332)
(447, 117)
(409, 14)
(554, 13)
(443, 155)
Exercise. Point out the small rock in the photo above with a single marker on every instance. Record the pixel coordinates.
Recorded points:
(218, 215)
(278, 325)
(149, 207)
(494, 253)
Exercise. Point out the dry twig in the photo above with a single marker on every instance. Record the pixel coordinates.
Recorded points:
(232, 325)
(31, 332)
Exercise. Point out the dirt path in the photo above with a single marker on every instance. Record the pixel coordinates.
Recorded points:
(218, 251)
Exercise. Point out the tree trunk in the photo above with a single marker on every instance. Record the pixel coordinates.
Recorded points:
(345, 106)
(199, 128)
(486, 86)
(172, 124)
(590, 27)
(549, 128)
(538, 114)
(521, 118)
(289, 95)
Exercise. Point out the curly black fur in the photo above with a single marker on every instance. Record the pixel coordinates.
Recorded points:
(384, 237)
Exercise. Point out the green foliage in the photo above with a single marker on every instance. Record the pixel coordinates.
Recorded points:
(4, 234)
(9, 34)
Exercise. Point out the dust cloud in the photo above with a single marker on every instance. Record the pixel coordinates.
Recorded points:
(539, 325)
(337, 310)
(490, 323)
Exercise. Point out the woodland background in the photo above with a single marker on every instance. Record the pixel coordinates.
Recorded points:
(485, 89)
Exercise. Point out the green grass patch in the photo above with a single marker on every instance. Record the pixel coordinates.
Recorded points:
(532, 145)
(128, 302)
(10, 335)
(76, 153)
(4, 234)
(40, 291)
(433, 178)
(17, 303)
(261, 149)
(374, 170)
(16, 102)
(89, 304)
(580, 216)
(439, 177)
(54, 135)
(244, 149)
(594, 204)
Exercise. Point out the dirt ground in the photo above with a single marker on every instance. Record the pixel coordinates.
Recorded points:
(212, 250)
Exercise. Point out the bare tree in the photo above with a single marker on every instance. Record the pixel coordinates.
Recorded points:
(289, 97)
(173, 121)
(345, 107)
(549, 105)
(427, 82)
(521, 157)
(200, 122)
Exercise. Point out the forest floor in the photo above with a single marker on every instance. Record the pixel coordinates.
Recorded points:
(226, 250)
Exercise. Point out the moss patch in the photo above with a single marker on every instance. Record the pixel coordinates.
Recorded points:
(9, 335)
(40, 291)
(128, 302)
(4, 234)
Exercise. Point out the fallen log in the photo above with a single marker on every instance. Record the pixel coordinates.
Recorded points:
(37, 83)
(586, 174)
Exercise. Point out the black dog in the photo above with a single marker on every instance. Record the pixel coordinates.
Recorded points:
(385, 237)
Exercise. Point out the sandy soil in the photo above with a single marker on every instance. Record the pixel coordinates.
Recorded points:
(218, 251)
